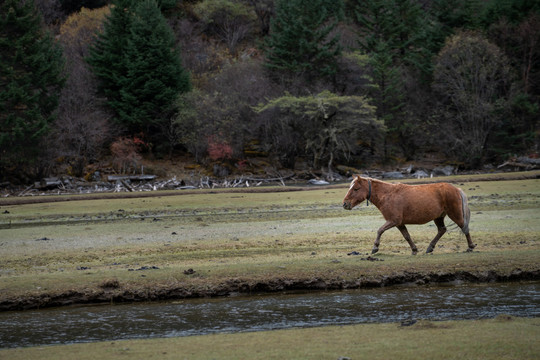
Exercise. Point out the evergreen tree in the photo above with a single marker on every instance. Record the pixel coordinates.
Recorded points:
(300, 40)
(512, 10)
(155, 74)
(30, 80)
(147, 75)
(403, 28)
(456, 14)
(399, 39)
(107, 55)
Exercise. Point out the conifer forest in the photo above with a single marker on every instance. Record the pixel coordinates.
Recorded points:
(316, 84)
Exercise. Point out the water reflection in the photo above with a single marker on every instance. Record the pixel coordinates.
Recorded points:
(264, 312)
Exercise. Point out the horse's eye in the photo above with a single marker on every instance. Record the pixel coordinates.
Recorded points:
(356, 189)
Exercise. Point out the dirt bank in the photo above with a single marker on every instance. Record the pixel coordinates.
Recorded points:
(115, 293)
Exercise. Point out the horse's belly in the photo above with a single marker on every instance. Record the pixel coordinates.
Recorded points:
(421, 215)
(417, 220)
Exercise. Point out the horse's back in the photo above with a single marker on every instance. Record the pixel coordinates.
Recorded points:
(420, 204)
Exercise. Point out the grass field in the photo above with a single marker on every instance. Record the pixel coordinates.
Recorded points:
(204, 244)
(200, 243)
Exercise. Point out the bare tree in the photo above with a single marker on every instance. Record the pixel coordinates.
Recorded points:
(231, 21)
(472, 77)
(264, 10)
(221, 110)
(51, 10)
(522, 44)
(82, 127)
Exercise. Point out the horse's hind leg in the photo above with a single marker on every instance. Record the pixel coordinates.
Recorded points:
(407, 237)
(463, 223)
(469, 242)
(441, 230)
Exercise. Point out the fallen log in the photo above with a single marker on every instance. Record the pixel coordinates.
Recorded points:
(113, 178)
(514, 164)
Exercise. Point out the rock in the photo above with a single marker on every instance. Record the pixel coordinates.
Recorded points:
(408, 322)
(444, 171)
(392, 175)
(371, 258)
(409, 169)
(318, 182)
(43, 239)
(420, 174)
(528, 160)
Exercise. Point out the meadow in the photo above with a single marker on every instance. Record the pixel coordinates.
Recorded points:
(213, 243)
(139, 247)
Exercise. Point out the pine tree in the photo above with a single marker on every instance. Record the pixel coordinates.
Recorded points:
(107, 55)
(398, 38)
(139, 68)
(300, 41)
(403, 28)
(155, 76)
(31, 78)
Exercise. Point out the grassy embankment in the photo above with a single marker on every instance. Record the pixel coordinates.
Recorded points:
(199, 244)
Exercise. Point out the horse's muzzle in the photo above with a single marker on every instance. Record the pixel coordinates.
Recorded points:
(347, 205)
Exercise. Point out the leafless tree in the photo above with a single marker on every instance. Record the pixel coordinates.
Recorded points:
(83, 125)
(51, 10)
(472, 77)
(231, 21)
(264, 10)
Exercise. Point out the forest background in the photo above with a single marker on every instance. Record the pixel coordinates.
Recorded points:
(312, 83)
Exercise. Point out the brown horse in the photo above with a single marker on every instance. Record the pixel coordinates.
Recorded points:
(403, 204)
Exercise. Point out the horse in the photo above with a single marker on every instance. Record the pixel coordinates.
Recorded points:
(402, 204)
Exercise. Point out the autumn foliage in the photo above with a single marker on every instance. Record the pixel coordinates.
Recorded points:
(205, 78)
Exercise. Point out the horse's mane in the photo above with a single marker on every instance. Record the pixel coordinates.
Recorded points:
(372, 179)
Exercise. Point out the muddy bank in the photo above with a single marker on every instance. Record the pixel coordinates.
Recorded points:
(115, 292)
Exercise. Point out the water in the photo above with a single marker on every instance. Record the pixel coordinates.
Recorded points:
(265, 312)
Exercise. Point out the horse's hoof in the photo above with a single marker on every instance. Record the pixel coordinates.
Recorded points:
(470, 249)
(429, 250)
(374, 250)
(415, 252)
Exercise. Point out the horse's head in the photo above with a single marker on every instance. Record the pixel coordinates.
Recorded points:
(358, 192)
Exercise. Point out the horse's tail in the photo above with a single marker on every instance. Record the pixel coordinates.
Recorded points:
(465, 211)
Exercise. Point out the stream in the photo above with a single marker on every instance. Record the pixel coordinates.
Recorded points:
(265, 312)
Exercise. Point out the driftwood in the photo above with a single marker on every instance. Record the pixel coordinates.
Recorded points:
(522, 163)
(131, 177)
(135, 183)
(49, 183)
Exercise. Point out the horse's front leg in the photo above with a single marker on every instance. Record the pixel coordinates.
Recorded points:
(407, 237)
(387, 225)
